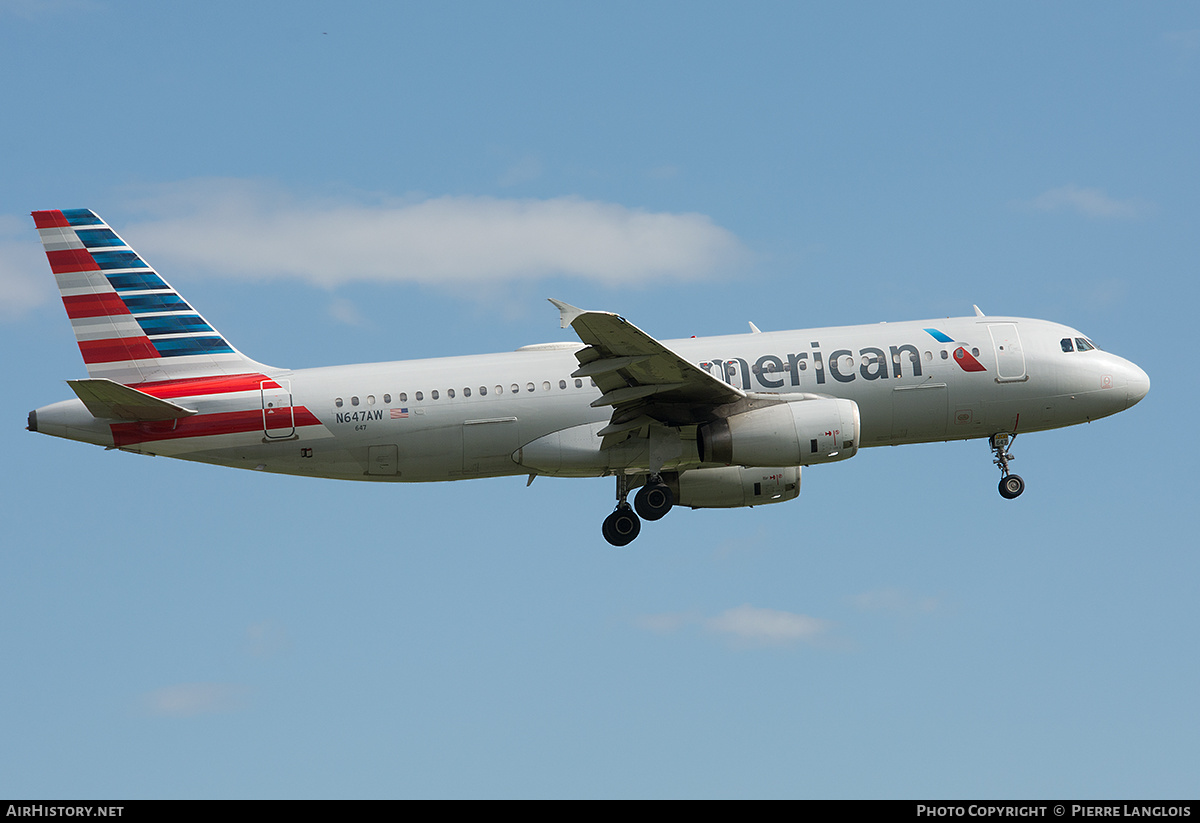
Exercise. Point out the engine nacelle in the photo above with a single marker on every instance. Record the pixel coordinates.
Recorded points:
(730, 487)
(799, 433)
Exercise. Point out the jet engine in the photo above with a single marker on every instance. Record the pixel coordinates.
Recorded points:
(730, 487)
(799, 433)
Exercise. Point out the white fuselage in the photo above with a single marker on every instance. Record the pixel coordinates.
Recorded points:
(522, 413)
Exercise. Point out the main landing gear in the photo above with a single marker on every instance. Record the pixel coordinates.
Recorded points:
(1011, 485)
(652, 502)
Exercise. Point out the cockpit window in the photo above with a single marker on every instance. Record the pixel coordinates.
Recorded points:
(1067, 345)
(1082, 344)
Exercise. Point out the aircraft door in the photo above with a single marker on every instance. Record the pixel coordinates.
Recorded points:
(1010, 359)
(279, 421)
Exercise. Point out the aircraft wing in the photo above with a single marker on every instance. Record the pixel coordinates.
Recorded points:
(643, 380)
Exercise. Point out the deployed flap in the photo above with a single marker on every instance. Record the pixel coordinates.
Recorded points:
(639, 376)
(106, 399)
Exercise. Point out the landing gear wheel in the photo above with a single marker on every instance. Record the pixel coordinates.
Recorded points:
(654, 500)
(621, 527)
(1011, 485)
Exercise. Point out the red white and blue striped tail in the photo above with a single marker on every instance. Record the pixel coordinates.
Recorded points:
(132, 327)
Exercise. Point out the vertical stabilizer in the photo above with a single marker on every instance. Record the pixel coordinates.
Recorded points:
(131, 326)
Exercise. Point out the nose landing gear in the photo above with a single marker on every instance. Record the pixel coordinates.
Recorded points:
(1011, 485)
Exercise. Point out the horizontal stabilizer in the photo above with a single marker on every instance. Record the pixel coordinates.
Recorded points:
(106, 399)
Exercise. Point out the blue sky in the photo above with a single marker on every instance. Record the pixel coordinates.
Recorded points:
(377, 181)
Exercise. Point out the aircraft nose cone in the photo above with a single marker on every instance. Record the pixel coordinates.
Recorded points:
(1138, 383)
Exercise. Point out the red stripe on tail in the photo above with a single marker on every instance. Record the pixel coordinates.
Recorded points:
(117, 349)
(69, 260)
(50, 220)
(94, 305)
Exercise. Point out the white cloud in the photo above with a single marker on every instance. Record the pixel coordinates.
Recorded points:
(744, 624)
(191, 699)
(251, 229)
(756, 625)
(1089, 202)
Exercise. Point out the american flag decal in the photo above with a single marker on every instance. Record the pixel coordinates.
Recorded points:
(399, 413)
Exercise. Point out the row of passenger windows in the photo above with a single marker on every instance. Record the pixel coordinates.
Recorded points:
(730, 368)
(435, 394)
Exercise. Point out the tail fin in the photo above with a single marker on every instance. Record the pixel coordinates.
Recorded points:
(131, 326)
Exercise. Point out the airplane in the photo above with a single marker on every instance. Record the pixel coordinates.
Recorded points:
(707, 422)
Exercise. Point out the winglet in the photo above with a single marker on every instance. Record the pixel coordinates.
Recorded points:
(753, 328)
(567, 313)
(978, 313)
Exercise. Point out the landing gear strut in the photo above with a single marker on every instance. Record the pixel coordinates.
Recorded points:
(622, 526)
(1011, 485)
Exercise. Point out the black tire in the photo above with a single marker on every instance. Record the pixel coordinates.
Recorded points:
(1011, 485)
(653, 501)
(621, 527)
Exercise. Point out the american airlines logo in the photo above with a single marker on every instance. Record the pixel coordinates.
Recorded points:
(774, 371)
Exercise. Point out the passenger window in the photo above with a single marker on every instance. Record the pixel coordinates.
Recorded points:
(928, 356)
(450, 393)
(420, 396)
(354, 400)
(387, 398)
(499, 390)
(467, 391)
(515, 388)
(945, 354)
(337, 401)
(483, 391)
(545, 385)
(370, 400)
(528, 387)
(578, 383)
(1066, 344)
(433, 394)
(975, 352)
(403, 397)
(562, 384)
